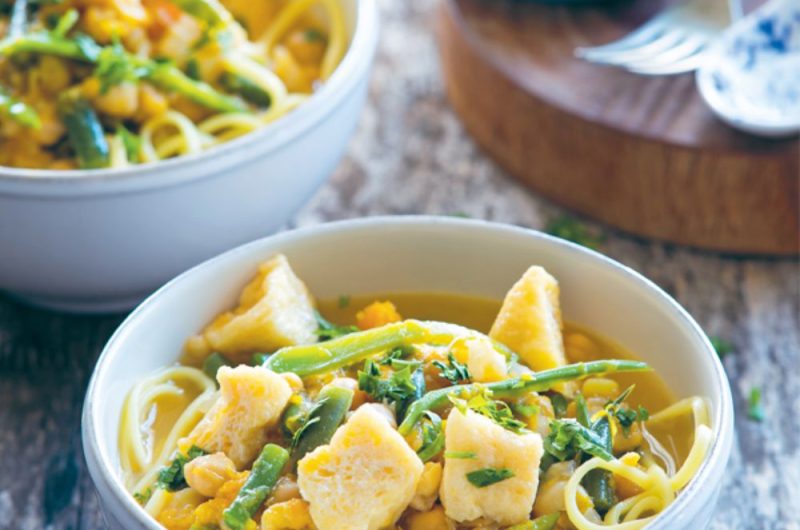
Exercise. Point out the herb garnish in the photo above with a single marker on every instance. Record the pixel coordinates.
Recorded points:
(311, 417)
(171, 478)
(571, 229)
(456, 372)
(722, 347)
(344, 301)
(568, 438)
(432, 436)
(755, 410)
(402, 387)
(497, 411)
(143, 496)
(327, 330)
(488, 476)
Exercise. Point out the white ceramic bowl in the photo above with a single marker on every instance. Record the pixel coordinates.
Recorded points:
(102, 240)
(379, 255)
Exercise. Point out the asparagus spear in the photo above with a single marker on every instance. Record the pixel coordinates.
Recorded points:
(259, 484)
(19, 111)
(84, 132)
(512, 387)
(322, 421)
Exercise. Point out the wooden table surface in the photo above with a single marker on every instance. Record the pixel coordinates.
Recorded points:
(410, 155)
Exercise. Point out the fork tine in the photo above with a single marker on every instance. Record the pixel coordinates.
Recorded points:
(692, 45)
(665, 42)
(645, 33)
(687, 64)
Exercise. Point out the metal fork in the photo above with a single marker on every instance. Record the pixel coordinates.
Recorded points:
(672, 42)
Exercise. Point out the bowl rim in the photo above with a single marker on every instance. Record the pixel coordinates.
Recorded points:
(272, 136)
(103, 472)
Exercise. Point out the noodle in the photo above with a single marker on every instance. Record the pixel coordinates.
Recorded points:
(659, 488)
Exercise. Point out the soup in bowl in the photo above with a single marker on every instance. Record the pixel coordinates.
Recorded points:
(409, 373)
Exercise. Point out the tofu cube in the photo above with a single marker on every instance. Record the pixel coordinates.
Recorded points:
(484, 362)
(507, 502)
(275, 310)
(529, 321)
(251, 402)
(364, 479)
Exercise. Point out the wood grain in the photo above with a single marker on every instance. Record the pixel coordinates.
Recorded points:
(411, 155)
(642, 154)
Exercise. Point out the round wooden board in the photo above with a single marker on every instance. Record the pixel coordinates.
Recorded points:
(641, 154)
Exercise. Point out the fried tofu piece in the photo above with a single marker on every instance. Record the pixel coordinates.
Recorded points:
(506, 502)
(275, 310)
(251, 401)
(364, 479)
(529, 321)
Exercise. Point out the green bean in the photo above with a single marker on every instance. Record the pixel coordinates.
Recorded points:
(598, 482)
(332, 405)
(432, 437)
(65, 23)
(330, 355)
(247, 89)
(259, 484)
(213, 363)
(538, 382)
(84, 132)
(545, 522)
(169, 77)
(81, 48)
(19, 112)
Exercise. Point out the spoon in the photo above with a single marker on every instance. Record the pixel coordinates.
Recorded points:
(751, 76)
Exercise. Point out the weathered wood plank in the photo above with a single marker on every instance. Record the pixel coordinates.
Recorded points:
(410, 155)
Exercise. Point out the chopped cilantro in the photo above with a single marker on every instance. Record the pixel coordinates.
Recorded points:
(171, 477)
(327, 330)
(456, 372)
(497, 411)
(310, 419)
(488, 476)
(400, 387)
(432, 437)
(571, 229)
(344, 301)
(461, 455)
(568, 438)
(115, 66)
(755, 410)
(143, 496)
(131, 141)
(313, 35)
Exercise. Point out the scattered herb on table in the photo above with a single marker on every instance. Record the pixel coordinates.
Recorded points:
(571, 229)
(722, 347)
(755, 410)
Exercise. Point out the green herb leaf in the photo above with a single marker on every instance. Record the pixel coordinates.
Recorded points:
(313, 35)
(432, 437)
(755, 410)
(582, 411)
(171, 477)
(456, 372)
(143, 496)
(327, 330)
(311, 418)
(397, 387)
(497, 411)
(568, 438)
(116, 66)
(571, 229)
(131, 141)
(461, 455)
(721, 346)
(488, 476)
(344, 301)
